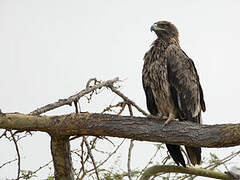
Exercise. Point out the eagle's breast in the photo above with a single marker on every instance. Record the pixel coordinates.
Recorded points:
(155, 76)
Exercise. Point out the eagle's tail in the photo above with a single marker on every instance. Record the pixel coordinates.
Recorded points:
(176, 154)
(194, 154)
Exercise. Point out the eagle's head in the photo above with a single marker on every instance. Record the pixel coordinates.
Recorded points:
(165, 29)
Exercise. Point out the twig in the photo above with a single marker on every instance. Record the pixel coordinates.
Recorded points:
(109, 108)
(149, 162)
(130, 110)
(93, 142)
(125, 98)
(224, 160)
(218, 163)
(7, 163)
(30, 174)
(82, 160)
(76, 106)
(130, 148)
(122, 108)
(3, 134)
(92, 158)
(90, 80)
(129, 159)
(18, 154)
(76, 97)
(41, 167)
(110, 155)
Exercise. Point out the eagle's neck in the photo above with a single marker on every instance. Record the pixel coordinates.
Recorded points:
(164, 42)
(158, 48)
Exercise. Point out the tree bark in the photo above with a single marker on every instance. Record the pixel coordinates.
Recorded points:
(60, 149)
(137, 128)
(154, 170)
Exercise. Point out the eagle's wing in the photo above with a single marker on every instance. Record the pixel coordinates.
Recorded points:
(184, 84)
(186, 91)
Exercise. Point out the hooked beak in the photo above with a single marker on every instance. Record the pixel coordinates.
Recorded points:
(154, 28)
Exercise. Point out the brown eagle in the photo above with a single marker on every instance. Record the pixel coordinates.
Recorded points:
(171, 84)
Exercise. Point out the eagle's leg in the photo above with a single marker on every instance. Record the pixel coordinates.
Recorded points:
(171, 117)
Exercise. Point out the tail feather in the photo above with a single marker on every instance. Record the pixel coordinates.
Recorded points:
(194, 154)
(176, 154)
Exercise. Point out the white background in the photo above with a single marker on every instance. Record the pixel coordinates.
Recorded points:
(49, 49)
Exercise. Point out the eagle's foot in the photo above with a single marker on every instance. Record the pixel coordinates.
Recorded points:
(171, 117)
(161, 117)
(151, 116)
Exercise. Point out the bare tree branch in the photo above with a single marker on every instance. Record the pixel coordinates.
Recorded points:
(137, 128)
(154, 170)
(18, 154)
(129, 159)
(149, 162)
(8, 162)
(3, 134)
(109, 156)
(76, 97)
(125, 98)
(91, 156)
(218, 163)
(130, 148)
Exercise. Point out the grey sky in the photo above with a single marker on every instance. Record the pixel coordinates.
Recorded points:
(49, 49)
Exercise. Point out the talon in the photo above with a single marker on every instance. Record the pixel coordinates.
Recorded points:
(171, 117)
(151, 116)
(161, 117)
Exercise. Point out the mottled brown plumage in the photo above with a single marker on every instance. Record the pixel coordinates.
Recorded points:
(171, 85)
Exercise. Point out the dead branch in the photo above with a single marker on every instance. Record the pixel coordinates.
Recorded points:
(8, 162)
(129, 159)
(154, 170)
(74, 98)
(18, 154)
(137, 128)
(92, 158)
(31, 173)
(130, 148)
(125, 98)
(218, 163)
(109, 156)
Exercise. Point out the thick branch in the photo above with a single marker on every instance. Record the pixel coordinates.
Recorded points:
(154, 170)
(137, 128)
(62, 160)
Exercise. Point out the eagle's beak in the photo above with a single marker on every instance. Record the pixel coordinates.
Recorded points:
(153, 27)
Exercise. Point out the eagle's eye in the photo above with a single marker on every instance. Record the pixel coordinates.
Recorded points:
(164, 25)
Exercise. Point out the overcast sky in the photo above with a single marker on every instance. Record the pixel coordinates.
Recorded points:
(49, 49)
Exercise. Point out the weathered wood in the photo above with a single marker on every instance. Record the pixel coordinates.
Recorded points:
(60, 149)
(154, 170)
(137, 128)
(73, 98)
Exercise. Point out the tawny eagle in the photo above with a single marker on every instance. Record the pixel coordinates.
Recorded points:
(171, 84)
